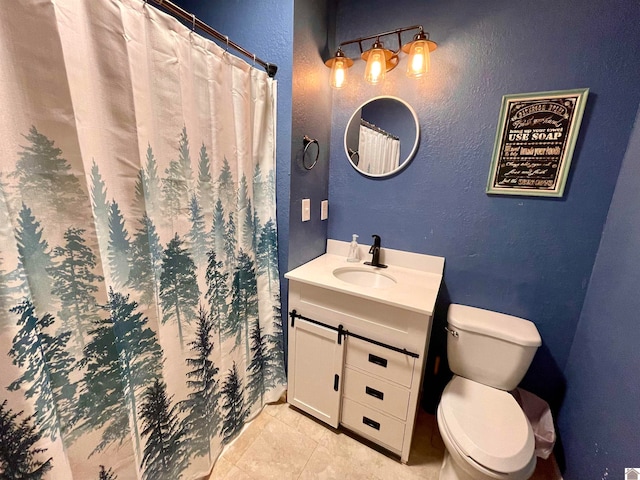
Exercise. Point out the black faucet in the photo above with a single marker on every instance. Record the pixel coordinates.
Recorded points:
(375, 252)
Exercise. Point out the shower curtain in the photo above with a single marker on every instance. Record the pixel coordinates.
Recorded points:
(379, 152)
(140, 322)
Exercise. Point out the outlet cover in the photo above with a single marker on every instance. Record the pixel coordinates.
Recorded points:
(306, 209)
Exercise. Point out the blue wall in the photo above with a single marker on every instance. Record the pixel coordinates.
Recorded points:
(603, 380)
(530, 257)
(311, 111)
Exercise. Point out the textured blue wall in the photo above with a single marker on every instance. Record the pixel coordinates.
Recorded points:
(530, 257)
(599, 420)
(311, 109)
(311, 114)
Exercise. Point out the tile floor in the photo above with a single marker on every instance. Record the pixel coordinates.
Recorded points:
(283, 443)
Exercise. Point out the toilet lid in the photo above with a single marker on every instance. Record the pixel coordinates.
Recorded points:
(487, 425)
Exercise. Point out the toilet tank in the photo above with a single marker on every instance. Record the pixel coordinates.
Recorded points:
(489, 347)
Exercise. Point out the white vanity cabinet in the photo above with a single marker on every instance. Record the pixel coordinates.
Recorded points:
(357, 354)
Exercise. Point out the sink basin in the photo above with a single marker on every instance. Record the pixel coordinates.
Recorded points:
(364, 277)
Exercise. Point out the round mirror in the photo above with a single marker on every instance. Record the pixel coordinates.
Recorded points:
(382, 136)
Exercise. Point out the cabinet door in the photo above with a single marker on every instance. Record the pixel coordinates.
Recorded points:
(315, 370)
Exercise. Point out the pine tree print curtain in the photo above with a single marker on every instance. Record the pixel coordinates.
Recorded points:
(140, 322)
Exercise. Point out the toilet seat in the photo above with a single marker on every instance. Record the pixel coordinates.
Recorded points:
(487, 425)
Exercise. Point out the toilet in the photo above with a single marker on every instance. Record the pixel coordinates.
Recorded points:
(485, 432)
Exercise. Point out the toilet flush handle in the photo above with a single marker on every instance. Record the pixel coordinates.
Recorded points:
(452, 332)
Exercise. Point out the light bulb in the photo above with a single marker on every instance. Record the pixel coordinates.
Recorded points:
(338, 73)
(419, 61)
(376, 66)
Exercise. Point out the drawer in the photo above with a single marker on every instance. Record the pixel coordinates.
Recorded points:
(372, 424)
(376, 393)
(394, 366)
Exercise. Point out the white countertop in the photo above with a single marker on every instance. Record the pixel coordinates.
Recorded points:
(418, 276)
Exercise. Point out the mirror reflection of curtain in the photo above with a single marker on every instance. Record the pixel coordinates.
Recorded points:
(140, 322)
(378, 151)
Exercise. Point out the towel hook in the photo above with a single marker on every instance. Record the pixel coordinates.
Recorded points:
(354, 156)
(310, 141)
(193, 26)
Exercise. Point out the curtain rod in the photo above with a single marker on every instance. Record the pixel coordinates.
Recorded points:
(190, 17)
(364, 123)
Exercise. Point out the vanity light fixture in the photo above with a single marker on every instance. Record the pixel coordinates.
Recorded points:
(419, 50)
(339, 65)
(381, 60)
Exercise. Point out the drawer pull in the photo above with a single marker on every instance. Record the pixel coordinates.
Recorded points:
(336, 382)
(378, 360)
(371, 423)
(374, 393)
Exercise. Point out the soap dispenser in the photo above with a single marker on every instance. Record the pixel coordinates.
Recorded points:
(353, 250)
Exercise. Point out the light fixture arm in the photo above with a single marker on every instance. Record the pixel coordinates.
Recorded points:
(377, 36)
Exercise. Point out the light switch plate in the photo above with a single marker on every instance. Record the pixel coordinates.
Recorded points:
(306, 209)
(324, 209)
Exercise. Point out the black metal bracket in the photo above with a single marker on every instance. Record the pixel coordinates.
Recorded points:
(271, 69)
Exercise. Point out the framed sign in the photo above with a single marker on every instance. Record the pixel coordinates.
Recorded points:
(536, 136)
